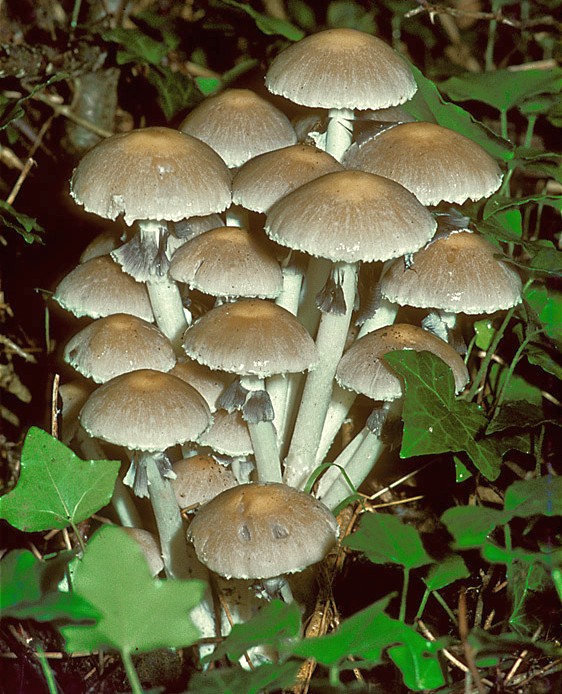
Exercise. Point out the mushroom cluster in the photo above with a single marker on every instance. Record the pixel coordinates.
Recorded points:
(225, 346)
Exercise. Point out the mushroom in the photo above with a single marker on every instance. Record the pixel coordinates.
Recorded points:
(199, 479)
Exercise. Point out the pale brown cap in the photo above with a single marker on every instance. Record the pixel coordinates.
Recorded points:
(262, 530)
(205, 381)
(199, 479)
(341, 68)
(228, 262)
(73, 396)
(117, 344)
(150, 548)
(228, 435)
(392, 114)
(239, 125)
(102, 244)
(151, 173)
(99, 288)
(251, 336)
(363, 370)
(145, 410)
(267, 178)
(433, 162)
(351, 216)
(457, 273)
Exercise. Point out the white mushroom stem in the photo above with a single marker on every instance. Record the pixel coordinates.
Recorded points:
(168, 520)
(334, 472)
(339, 134)
(340, 404)
(315, 278)
(264, 438)
(384, 315)
(236, 216)
(330, 342)
(163, 292)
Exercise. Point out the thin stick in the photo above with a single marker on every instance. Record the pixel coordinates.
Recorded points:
(54, 408)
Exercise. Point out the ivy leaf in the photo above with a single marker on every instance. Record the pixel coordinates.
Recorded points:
(547, 304)
(25, 226)
(471, 525)
(503, 89)
(271, 26)
(435, 421)
(516, 389)
(415, 657)
(272, 677)
(342, 13)
(384, 539)
(176, 91)
(24, 591)
(518, 414)
(274, 623)
(490, 647)
(136, 46)
(442, 574)
(485, 332)
(428, 105)
(499, 202)
(208, 85)
(137, 613)
(536, 354)
(536, 497)
(55, 488)
(494, 554)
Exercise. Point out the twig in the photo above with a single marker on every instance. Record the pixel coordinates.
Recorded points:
(522, 656)
(17, 349)
(54, 407)
(467, 648)
(67, 112)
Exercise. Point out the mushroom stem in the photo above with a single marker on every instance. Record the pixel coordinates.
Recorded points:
(330, 476)
(340, 404)
(237, 216)
(168, 309)
(168, 520)
(262, 433)
(330, 342)
(315, 278)
(340, 131)
(384, 315)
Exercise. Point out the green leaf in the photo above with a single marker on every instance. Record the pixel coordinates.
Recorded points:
(451, 569)
(269, 25)
(547, 304)
(536, 497)
(503, 89)
(360, 636)
(494, 554)
(485, 332)
(462, 473)
(488, 645)
(350, 15)
(536, 354)
(517, 388)
(435, 421)
(137, 46)
(138, 613)
(416, 658)
(384, 539)
(25, 226)
(471, 525)
(518, 414)
(24, 591)
(176, 91)
(428, 105)
(208, 85)
(303, 14)
(524, 581)
(55, 488)
(274, 623)
(12, 109)
(499, 202)
(265, 678)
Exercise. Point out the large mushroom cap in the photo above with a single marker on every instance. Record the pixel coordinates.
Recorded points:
(433, 162)
(251, 337)
(239, 125)
(341, 68)
(151, 173)
(145, 410)
(457, 273)
(262, 530)
(351, 216)
(363, 370)
(99, 288)
(267, 178)
(199, 479)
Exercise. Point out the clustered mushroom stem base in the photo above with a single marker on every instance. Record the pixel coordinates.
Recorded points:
(330, 341)
(168, 520)
(316, 276)
(340, 131)
(168, 309)
(330, 476)
(340, 404)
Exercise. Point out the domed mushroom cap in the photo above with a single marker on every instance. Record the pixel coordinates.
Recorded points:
(457, 273)
(262, 530)
(199, 479)
(99, 288)
(145, 410)
(102, 244)
(267, 178)
(228, 435)
(363, 370)
(351, 216)
(239, 125)
(341, 68)
(433, 162)
(73, 396)
(251, 336)
(151, 173)
(228, 261)
(117, 344)
(210, 384)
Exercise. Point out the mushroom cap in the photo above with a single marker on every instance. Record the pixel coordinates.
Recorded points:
(145, 410)
(210, 384)
(151, 173)
(229, 261)
(351, 216)
(199, 479)
(228, 435)
(267, 178)
(341, 68)
(251, 337)
(363, 370)
(392, 114)
(99, 288)
(117, 344)
(239, 125)
(262, 530)
(457, 273)
(102, 244)
(73, 395)
(433, 162)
